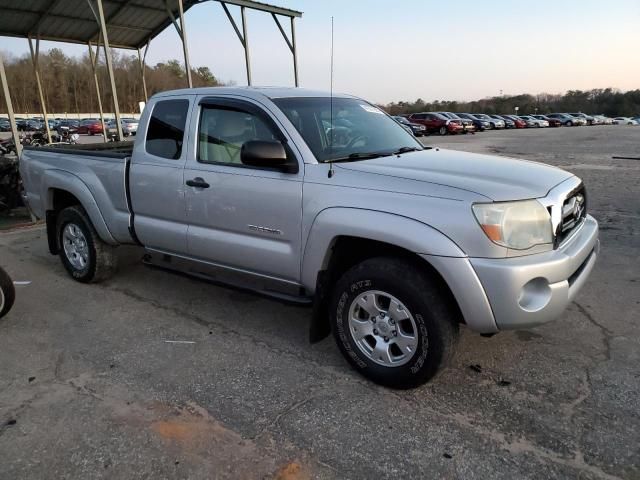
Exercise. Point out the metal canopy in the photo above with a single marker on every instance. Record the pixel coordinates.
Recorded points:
(131, 24)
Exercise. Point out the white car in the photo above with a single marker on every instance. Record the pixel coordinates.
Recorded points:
(130, 125)
(624, 121)
(534, 122)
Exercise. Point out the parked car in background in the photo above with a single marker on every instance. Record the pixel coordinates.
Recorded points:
(90, 126)
(494, 123)
(566, 119)
(481, 125)
(434, 122)
(72, 125)
(129, 125)
(5, 126)
(624, 121)
(588, 119)
(508, 123)
(533, 122)
(517, 121)
(467, 125)
(636, 118)
(552, 122)
(605, 120)
(414, 128)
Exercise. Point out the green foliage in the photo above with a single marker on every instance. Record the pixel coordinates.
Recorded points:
(608, 101)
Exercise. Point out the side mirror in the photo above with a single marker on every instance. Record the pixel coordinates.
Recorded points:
(259, 153)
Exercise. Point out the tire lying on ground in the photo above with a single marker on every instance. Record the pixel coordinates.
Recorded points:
(7, 293)
(392, 323)
(83, 253)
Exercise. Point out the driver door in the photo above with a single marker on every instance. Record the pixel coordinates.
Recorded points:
(241, 217)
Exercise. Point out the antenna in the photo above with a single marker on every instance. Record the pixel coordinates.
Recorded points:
(330, 173)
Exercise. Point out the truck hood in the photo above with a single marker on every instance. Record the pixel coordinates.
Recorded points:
(497, 178)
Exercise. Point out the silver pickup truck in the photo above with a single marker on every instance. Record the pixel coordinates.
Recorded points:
(326, 200)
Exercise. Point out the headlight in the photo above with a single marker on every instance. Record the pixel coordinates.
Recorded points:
(518, 225)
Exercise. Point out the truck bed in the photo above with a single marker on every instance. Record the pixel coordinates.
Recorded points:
(96, 174)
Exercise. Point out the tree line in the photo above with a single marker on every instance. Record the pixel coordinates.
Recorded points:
(607, 101)
(69, 86)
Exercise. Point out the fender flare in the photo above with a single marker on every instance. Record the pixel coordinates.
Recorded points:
(61, 180)
(403, 232)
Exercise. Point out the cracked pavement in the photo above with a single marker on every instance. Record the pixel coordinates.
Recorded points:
(90, 389)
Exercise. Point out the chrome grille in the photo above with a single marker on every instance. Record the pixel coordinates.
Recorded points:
(574, 211)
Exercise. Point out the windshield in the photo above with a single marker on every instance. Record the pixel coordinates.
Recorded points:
(357, 128)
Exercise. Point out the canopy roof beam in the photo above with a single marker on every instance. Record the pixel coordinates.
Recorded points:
(183, 36)
(35, 57)
(99, 14)
(244, 41)
(94, 67)
(290, 43)
(7, 99)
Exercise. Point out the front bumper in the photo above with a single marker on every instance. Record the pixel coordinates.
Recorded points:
(496, 294)
(535, 289)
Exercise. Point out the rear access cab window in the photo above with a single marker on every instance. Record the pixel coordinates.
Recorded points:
(165, 134)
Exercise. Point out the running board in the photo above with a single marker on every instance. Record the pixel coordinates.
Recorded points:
(262, 285)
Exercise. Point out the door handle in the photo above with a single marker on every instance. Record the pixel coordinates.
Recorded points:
(198, 182)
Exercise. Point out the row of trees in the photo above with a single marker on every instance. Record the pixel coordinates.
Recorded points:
(69, 86)
(608, 101)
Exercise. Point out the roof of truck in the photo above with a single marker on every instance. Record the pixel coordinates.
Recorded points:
(254, 92)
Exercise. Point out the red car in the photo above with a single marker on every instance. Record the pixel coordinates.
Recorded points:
(91, 127)
(517, 120)
(436, 122)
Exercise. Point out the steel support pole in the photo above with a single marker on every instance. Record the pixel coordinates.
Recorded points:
(245, 39)
(142, 60)
(7, 99)
(94, 66)
(185, 48)
(35, 56)
(294, 51)
(112, 80)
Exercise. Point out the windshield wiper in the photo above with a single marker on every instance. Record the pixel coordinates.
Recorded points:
(354, 157)
(406, 150)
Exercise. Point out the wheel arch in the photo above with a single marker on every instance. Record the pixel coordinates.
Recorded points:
(64, 190)
(328, 254)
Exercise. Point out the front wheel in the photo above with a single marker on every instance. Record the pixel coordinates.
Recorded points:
(392, 323)
(83, 253)
(7, 293)
(443, 130)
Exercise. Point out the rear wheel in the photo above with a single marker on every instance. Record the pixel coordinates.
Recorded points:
(7, 293)
(83, 253)
(391, 322)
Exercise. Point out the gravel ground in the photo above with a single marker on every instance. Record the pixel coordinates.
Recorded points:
(90, 388)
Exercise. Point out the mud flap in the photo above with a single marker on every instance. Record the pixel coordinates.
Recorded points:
(51, 217)
(320, 327)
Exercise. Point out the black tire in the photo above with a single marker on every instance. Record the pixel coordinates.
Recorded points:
(102, 258)
(7, 293)
(437, 328)
(569, 123)
(442, 130)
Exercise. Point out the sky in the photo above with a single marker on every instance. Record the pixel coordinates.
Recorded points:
(407, 49)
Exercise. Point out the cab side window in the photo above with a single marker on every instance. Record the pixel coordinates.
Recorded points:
(223, 131)
(165, 134)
